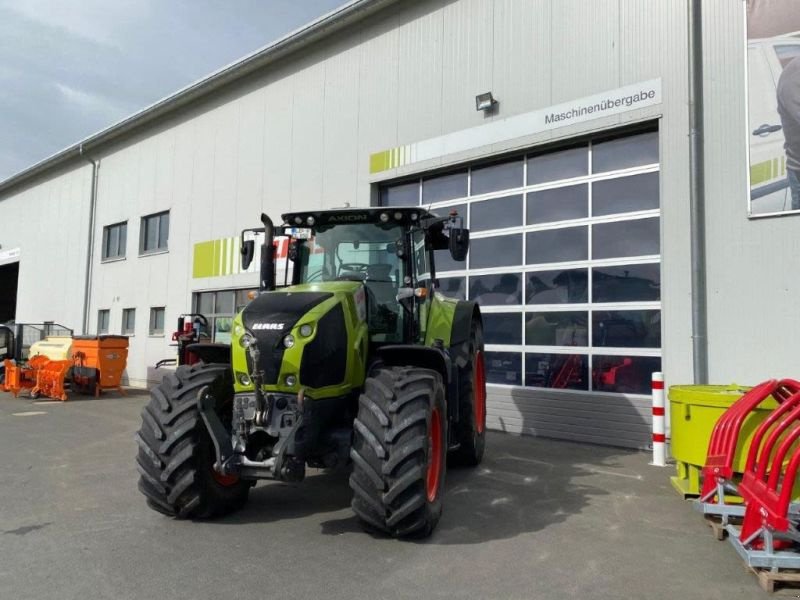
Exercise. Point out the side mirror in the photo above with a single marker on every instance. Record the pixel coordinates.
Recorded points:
(248, 252)
(459, 243)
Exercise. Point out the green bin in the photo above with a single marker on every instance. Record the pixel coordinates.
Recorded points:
(694, 410)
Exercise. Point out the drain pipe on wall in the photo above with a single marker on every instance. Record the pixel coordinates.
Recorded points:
(87, 286)
(697, 194)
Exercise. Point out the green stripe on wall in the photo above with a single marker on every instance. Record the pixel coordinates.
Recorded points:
(216, 258)
(203, 262)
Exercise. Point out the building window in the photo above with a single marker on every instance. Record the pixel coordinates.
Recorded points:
(154, 233)
(219, 307)
(564, 260)
(128, 321)
(115, 238)
(157, 320)
(103, 317)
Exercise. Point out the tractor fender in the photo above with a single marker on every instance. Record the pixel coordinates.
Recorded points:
(211, 353)
(427, 357)
(399, 355)
(466, 312)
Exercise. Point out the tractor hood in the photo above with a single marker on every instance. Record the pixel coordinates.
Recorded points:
(272, 316)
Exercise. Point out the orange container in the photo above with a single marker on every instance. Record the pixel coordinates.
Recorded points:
(105, 354)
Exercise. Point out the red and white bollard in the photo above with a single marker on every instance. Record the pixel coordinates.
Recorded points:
(659, 434)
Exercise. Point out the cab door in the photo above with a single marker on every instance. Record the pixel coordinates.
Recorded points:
(422, 277)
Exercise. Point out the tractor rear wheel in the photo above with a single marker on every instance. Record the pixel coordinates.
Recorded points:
(471, 428)
(176, 455)
(399, 451)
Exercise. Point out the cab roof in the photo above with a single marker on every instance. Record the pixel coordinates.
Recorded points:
(404, 215)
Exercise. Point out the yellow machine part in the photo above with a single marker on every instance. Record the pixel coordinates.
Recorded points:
(695, 410)
(52, 347)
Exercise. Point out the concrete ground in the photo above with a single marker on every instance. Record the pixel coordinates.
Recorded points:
(539, 519)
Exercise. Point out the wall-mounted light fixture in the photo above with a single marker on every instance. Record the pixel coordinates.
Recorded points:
(485, 102)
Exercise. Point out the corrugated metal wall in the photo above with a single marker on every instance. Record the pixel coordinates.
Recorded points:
(300, 136)
(49, 223)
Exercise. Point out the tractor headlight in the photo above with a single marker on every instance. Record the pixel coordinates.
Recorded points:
(246, 340)
(288, 341)
(306, 330)
(238, 330)
(244, 378)
(291, 380)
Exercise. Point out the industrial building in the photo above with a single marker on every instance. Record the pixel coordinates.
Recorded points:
(561, 134)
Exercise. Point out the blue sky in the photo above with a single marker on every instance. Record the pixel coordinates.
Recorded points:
(69, 68)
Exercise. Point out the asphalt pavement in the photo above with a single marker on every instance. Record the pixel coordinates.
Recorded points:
(538, 519)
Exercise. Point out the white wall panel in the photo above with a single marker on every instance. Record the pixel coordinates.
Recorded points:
(48, 222)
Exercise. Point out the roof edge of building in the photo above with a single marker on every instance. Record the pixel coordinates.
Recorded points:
(327, 24)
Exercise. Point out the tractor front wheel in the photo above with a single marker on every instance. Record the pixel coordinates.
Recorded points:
(176, 455)
(399, 451)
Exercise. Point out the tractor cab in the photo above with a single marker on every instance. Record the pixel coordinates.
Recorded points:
(388, 250)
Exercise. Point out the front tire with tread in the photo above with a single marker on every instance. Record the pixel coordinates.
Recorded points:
(176, 454)
(394, 451)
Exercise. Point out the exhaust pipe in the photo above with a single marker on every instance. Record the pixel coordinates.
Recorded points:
(268, 255)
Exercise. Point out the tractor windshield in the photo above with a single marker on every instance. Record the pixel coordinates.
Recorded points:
(367, 252)
(363, 252)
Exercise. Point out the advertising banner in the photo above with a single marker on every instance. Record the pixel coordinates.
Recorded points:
(773, 73)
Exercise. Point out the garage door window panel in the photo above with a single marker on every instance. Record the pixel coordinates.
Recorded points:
(496, 290)
(453, 287)
(627, 283)
(406, 194)
(566, 244)
(557, 371)
(623, 374)
(497, 213)
(503, 368)
(553, 166)
(495, 251)
(627, 328)
(497, 177)
(502, 328)
(567, 328)
(560, 286)
(445, 187)
(638, 237)
(625, 194)
(625, 152)
(558, 204)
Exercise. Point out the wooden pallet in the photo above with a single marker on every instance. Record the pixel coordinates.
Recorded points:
(786, 581)
(717, 528)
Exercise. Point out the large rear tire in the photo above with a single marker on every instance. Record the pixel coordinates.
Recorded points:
(176, 455)
(399, 451)
(471, 427)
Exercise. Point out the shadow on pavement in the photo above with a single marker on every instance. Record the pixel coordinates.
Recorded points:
(273, 501)
(523, 485)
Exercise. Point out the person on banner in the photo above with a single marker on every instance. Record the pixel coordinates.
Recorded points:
(789, 111)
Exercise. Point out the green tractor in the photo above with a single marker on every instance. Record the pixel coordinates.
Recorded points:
(355, 362)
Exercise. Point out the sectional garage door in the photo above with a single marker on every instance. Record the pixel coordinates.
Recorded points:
(565, 263)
